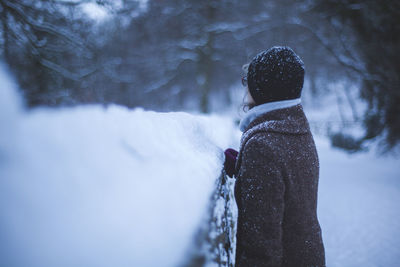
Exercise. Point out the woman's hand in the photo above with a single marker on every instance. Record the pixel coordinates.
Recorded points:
(230, 161)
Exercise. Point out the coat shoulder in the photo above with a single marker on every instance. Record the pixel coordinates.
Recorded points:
(261, 142)
(257, 140)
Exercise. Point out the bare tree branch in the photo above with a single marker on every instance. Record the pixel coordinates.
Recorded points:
(44, 27)
(66, 73)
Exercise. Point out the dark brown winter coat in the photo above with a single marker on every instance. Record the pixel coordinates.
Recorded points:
(276, 193)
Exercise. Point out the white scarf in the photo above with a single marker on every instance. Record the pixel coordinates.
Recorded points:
(264, 108)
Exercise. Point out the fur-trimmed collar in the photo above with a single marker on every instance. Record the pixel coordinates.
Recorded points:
(264, 108)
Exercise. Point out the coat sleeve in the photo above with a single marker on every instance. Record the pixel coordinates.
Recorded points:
(260, 206)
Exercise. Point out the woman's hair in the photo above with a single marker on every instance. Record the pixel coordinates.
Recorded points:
(246, 106)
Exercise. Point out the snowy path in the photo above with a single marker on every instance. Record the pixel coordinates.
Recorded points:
(359, 198)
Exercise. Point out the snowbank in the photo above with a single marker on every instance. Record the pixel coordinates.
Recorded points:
(95, 186)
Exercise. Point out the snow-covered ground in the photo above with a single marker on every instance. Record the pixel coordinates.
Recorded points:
(95, 186)
(359, 198)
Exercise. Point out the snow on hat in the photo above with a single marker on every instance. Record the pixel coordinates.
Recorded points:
(275, 74)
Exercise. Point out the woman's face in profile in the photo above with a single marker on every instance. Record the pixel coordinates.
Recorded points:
(249, 98)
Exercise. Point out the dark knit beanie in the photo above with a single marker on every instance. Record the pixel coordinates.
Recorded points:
(275, 74)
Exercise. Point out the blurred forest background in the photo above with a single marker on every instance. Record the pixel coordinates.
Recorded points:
(170, 55)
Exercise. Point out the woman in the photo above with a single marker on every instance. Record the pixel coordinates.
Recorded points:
(276, 169)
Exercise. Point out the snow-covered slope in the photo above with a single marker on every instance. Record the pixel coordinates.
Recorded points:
(95, 186)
